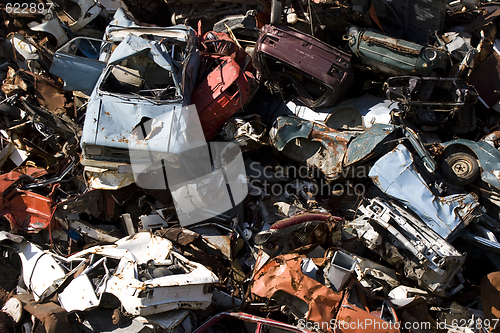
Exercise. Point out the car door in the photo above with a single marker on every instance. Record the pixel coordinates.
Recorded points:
(77, 64)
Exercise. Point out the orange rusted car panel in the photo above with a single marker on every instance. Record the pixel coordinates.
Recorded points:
(25, 210)
(350, 310)
(284, 274)
(362, 312)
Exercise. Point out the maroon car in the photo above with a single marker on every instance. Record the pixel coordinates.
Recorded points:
(318, 73)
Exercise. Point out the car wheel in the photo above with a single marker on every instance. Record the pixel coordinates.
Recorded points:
(117, 317)
(460, 168)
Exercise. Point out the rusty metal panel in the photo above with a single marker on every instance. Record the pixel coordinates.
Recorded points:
(362, 312)
(316, 144)
(284, 274)
(363, 146)
(25, 210)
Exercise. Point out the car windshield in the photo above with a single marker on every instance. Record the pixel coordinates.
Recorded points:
(141, 76)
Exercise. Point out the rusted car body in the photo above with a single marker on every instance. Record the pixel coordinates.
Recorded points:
(225, 86)
(247, 323)
(339, 154)
(318, 73)
(26, 211)
(392, 56)
(283, 279)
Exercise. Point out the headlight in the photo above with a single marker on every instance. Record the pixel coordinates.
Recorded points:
(430, 54)
(353, 31)
(93, 150)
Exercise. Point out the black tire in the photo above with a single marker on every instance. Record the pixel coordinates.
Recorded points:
(276, 11)
(460, 168)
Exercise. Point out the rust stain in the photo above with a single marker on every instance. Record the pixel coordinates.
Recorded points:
(391, 43)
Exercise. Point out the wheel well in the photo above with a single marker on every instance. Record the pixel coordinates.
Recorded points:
(458, 148)
(109, 301)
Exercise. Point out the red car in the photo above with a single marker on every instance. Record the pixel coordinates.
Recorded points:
(227, 83)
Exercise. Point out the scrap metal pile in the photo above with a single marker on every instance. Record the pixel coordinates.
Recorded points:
(250, 166)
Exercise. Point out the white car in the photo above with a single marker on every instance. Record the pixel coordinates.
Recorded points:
(144, 273)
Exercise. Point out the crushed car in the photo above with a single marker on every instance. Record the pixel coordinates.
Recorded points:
(391, 56)
(338, 154)
(136, 70)
(249, 166)
(430, 101)
(317, 73)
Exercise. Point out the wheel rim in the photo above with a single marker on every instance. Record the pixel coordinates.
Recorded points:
(462, 168)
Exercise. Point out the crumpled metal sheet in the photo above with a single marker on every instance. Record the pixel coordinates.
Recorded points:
(13, 83)
(395, 174)
(284, 273)
(405, 241)
(283, 279)
(25, 210)
(157, 294)
(247, 132)
(300, 140)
